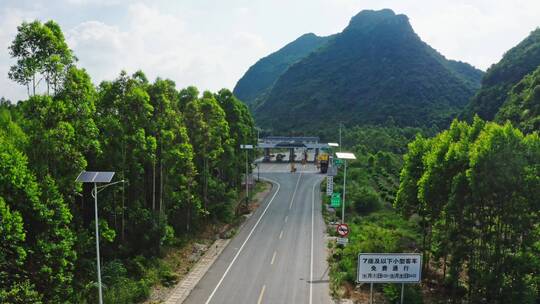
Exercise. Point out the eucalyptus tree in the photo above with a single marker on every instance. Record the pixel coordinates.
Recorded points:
(46, 246)
(61, 131)
(477, 186)
(241, 131)
(174, 156)
(209, 134)
(124, 119)
(42, 54)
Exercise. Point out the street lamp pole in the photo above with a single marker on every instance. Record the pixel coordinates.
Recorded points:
(344, 191)
(95, 178)
(340, 136)
(345, 156)
(95, 192)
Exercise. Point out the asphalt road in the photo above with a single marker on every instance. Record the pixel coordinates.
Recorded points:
(279, 256)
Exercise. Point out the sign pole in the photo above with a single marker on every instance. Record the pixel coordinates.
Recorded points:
(247, 186)
(402, 288)
(344, 186)
(371, 293)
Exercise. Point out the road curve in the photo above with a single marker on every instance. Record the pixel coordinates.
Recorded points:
(279, 256)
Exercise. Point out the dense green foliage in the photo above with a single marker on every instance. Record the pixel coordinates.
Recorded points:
(375, 69)
(475, 190)
(499, 79)
(466, 198)
(522, 106)
(177, 151)
(42, 55)
(372, 183)
(260, 77)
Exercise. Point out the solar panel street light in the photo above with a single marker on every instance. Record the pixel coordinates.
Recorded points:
(345, 156)
(95, 177)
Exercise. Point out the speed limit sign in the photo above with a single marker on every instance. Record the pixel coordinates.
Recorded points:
(343, 230)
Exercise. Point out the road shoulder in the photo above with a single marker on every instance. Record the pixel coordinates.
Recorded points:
(182, 290)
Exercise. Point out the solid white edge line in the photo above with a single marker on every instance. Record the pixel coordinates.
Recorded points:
(312, 229)
(295, 188)
(245, 241)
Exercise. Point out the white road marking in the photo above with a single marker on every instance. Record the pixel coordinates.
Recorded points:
(261, 295)
(273, 258)
(243, 244)
(312, 229)
(286, 218)
(281, 234)
(294, 193)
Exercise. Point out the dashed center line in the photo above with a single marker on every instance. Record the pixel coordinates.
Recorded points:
(286, 218)
(261, 295)
(281, 234)
(295, 188)
(273, 258)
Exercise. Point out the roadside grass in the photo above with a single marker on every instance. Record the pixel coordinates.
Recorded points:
(379, 229)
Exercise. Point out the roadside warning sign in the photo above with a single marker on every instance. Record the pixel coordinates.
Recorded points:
(343, 230)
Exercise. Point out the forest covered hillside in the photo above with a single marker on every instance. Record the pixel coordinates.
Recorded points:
(260, 77)
(376, 70)
(499, 79)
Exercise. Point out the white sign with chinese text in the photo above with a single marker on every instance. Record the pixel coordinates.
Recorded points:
(329, 185)
(389, 267)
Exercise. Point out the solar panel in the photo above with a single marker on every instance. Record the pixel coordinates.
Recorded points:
(95, 177)
(345, 155)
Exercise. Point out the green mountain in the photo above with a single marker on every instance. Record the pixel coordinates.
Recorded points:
(499, 79)
(261, 76)
(376, 70)
(522, 106)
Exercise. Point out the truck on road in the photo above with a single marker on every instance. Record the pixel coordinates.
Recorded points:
(323, 162)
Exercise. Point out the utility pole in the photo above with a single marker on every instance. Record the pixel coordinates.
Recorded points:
(247, 185)
(340, 136)
(247, 147)
(344, 191)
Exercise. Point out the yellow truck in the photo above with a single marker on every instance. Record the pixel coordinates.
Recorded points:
(322, 161)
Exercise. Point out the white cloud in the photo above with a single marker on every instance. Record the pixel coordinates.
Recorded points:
(161, 45)
(210, 44)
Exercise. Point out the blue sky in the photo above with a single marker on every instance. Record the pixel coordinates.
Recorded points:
(210, 44)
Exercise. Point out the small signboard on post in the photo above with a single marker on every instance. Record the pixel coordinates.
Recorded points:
(342, 241)
(389, 268)
(329, 185)
(335, 201)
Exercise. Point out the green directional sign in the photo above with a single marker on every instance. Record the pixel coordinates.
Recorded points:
(338, 162)
(335, 201)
